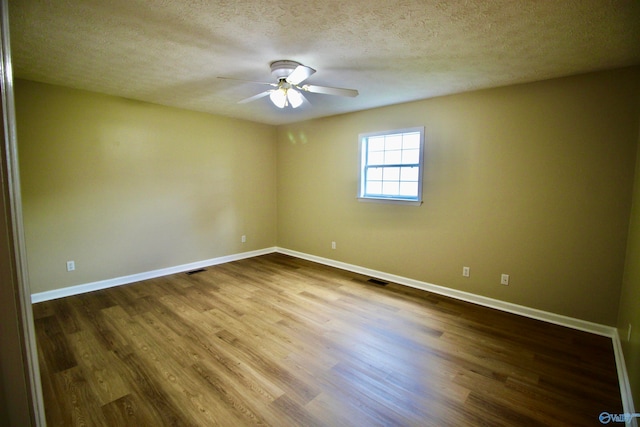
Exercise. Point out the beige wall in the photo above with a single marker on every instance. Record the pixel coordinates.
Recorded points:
(124, 187)
(630, 295)
(531, 180)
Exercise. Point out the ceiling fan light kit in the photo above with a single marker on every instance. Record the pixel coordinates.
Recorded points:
(288, 92)
(286, 96)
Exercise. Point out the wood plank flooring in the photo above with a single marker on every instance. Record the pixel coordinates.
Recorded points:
(279, 341)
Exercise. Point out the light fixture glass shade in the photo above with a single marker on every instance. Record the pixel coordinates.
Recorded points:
(279, 98)
(295, 98)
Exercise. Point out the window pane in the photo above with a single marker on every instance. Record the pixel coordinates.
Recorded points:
(390, 188)
(411, 141)
(392, 157)
(392, 174)
(376, 143)
(374, 187)
(374, 174)
(409, 189)
(411, 156)
(393, 142)
(376, 158)
(409, 174)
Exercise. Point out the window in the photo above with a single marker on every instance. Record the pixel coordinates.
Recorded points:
(391, 166)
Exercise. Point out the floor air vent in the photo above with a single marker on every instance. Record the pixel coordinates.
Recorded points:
(378, 282)
(200, 270)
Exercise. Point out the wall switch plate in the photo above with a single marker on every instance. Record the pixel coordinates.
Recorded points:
(243, 239)
(466, 271)
(333, 245)
(71, 265)
(504, 279)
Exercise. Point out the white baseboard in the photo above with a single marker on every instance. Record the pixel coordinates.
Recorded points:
(109, 283)
(557, 319)
(625, 387)
(533, 313)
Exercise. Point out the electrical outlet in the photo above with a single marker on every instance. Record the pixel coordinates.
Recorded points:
(504, 279)
(466, 271)
(629, 333)
(71, 265)
(333, 245)
(243, 239)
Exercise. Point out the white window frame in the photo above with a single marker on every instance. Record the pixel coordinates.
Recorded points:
(365, 166)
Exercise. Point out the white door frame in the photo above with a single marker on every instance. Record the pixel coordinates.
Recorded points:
(22, 289)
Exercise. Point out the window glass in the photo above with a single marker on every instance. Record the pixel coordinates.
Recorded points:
(391, 165)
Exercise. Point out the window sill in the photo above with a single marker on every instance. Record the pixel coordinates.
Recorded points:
(390, 201)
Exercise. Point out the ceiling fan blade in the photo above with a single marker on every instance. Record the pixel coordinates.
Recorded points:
(254, 97)
(249, 81)
(330, 90)
(300, 74)
(304, 98)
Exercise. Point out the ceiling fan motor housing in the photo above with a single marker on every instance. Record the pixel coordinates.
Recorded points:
(282, 69)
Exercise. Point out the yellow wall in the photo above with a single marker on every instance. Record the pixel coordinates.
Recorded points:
(124, 187)
(630, 295)
(531, 180)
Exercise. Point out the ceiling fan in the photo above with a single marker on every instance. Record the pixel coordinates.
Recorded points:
(288, 89)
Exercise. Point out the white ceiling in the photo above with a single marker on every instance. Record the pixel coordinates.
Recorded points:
(170, 52)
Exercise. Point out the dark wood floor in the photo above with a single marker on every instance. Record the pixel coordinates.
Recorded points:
(275, 340)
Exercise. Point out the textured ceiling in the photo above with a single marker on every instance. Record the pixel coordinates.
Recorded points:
(170, 52)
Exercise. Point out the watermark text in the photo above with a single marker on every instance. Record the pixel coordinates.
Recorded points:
(606, 418)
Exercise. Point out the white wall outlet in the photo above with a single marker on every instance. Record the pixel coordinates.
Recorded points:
(504, 279)
(466, 271)
(629, 333)
(71, 265)
(333, 245)
(243, 239)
